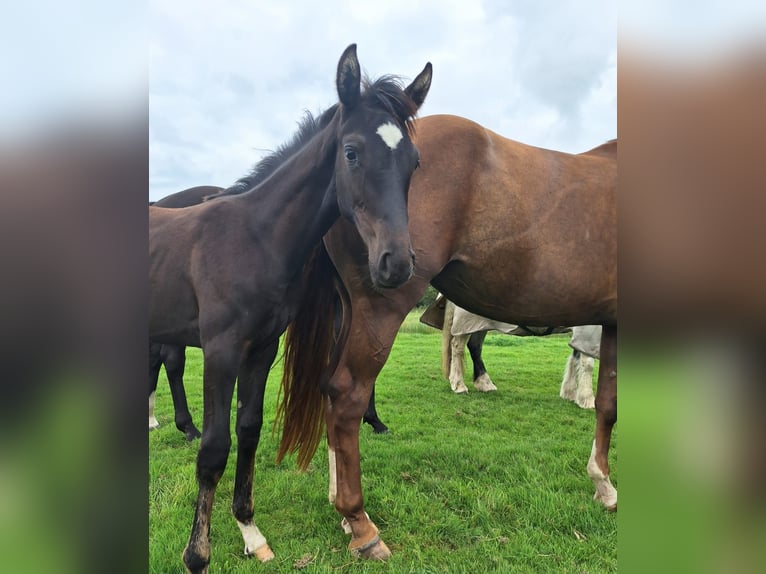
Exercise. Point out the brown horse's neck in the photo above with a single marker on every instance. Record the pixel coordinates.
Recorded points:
(297, 204)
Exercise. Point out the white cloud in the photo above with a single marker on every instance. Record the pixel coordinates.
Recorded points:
(229, 80)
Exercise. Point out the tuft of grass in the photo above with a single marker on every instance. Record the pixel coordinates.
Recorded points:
(464, 483)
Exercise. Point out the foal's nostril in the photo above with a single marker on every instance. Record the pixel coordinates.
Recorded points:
(385, 261)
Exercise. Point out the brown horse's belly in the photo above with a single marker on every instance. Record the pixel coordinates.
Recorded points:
(518, 300)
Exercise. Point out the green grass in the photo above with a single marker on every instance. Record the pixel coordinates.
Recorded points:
(472, 483)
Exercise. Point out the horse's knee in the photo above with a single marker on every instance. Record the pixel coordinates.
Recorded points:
(212, 457)
(249, 433)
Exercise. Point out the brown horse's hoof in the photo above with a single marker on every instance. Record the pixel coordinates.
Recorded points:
(375, 549)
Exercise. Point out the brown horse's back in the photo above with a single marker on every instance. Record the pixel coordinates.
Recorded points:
(514, 232)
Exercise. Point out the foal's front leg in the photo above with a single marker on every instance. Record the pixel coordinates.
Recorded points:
(220, 370)
(250, 389)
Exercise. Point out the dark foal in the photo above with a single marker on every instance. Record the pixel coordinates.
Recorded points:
(230, 274)
(173, 357)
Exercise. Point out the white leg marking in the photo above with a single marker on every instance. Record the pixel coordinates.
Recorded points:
(255, 542)
(347, 527)
(484, 384)
(569, 383)
(333, 492)
(153, 422)
(457, 348)
(390, 133)
(584, 396)
(605, 492)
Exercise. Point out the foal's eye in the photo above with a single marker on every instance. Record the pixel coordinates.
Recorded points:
(350, 154)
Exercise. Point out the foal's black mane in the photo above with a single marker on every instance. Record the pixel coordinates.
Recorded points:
(386, 91)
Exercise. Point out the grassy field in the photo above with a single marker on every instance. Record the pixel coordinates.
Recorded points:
(472, 483)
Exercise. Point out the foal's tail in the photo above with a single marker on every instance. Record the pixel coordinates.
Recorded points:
(312, 351)
(449, 316)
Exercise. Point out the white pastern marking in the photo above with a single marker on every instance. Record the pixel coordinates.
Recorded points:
(333, 492)
(605, 492)
(391, 134)
(153, 423)
(252, 537)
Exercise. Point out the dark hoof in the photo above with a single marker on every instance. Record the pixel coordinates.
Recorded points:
(381, 430)
(193, 563)
(192, 434)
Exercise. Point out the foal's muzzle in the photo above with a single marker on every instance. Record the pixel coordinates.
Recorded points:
(393, 270)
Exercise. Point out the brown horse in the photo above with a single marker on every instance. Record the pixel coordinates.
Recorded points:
(506, 230)
(230, 274)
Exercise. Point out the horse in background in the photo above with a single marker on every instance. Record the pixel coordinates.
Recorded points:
(173, 357)
(508, 231)
(229, 275)
(461, 328)
(577, 384)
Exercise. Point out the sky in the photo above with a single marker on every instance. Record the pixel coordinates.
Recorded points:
(229, 80)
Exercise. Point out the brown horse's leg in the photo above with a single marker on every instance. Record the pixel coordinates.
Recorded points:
(251, 384)
(220, 370)
(375, 322)
(348, 401)
(606, 417)
(331, 466)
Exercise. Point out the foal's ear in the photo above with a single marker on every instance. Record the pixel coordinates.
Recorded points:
(349, 77)
(418, 89)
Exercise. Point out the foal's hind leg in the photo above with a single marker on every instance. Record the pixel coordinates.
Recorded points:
(155, 363)
(174, 357)
(371, 416)
(606, 417)
(251, 385)
(481, 379)
(220, 370)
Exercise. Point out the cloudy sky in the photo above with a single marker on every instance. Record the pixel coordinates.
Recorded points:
(230, 79)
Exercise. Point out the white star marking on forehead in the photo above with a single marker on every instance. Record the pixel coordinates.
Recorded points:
(391, 134)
